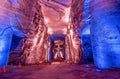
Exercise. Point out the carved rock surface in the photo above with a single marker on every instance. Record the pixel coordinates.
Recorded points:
(105, 33)
(56, 14)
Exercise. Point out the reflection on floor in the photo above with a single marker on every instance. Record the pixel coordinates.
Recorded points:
(61, 71)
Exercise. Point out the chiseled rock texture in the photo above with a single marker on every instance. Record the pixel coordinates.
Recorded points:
(73, 41)
(87, 48)
(13, 17)
(105, 33)
(76, 15)
(35, 48)
(56, 14)
(85, 32)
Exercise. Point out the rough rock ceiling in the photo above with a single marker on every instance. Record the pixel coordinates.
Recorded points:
(56, 15)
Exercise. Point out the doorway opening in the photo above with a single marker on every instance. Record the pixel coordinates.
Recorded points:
(57, 48)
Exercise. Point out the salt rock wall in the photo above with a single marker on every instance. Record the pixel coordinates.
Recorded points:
(36, 46)
(87, 48)
(73, 42)
(13, 21)
(105, 33)
(76, 15)
(85, 34)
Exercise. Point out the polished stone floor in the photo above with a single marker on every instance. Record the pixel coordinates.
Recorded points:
(59, 71)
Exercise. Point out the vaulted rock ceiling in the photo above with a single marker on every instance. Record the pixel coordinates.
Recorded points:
(56, 15)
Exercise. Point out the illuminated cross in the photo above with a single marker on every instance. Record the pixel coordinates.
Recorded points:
(58, 53)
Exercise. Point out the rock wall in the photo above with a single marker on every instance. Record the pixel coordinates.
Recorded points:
(87, 48)
(85, 34)
(36, 46)
(73, 42)
(13, 21)
(105, 33)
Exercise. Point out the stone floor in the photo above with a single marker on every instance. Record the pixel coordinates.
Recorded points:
(59, 71)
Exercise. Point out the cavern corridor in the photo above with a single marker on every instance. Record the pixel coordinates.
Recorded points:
(47, 34)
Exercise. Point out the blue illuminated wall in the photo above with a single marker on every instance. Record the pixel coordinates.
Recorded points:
(5, 42)
(85, 34)
(13, 1)
(105, 33)
(7, 29)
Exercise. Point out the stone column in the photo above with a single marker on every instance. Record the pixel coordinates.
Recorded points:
(105, 33)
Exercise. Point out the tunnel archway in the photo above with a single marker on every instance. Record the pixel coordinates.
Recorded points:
(96, 22)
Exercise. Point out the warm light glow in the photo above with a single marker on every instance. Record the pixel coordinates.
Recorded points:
(50, 31)
(46, 20)
(34, 42)
(66, 19)
(66, 16)
(71, 32)
(41, 41)
(64, 30)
